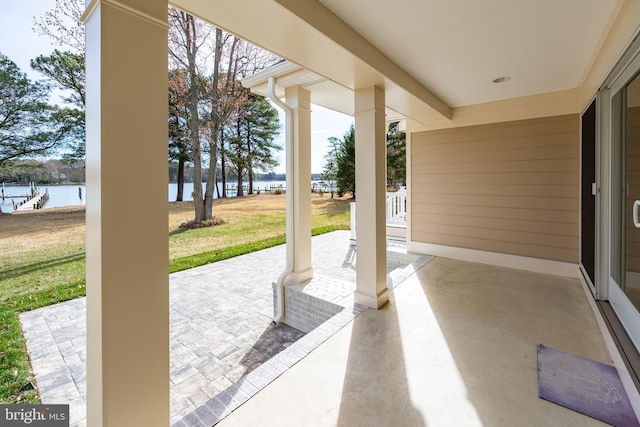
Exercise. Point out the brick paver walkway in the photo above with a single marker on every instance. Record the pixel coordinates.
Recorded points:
(224, 347)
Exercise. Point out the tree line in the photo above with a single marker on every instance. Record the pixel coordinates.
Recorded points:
(339, 172)
(52, 171)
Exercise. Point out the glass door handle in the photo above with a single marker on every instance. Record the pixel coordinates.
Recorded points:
(636, 222)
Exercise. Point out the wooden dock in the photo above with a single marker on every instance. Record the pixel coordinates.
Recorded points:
(34, 203)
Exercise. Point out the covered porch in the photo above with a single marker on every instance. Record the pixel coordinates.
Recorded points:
(480, 162)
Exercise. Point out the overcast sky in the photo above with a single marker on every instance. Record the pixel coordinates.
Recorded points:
(17, 39)
(20, 43)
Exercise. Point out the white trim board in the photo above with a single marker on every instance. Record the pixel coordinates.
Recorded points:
(537, 265)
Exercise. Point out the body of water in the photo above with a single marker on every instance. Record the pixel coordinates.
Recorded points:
(75, 194)
(59, 195)
(232, 188)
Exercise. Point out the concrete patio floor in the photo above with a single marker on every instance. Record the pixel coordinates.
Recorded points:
(455, 346)
(224, 347)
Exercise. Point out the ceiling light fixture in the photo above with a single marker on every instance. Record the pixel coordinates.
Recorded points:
(502, 79)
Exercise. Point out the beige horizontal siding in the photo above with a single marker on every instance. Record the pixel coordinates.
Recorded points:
(513, 166)
(527, 214)
(510, 154)
(470, 201)
(507, 187)
(548, 191)
(500, 246)
(520, 132)
(511, 178)
(549, 229)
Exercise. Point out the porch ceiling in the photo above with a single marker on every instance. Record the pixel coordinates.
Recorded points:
(458, 47)
(430, 55)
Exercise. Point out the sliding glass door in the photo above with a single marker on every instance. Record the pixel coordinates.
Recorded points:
(588, 196)
(624, 173)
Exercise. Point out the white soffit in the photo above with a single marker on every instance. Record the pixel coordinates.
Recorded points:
(324, 92)
(456, 48)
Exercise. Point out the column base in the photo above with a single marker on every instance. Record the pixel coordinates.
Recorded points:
(372, 301)
(298, 277)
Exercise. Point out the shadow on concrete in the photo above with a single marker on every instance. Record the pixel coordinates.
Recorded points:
(375, 390)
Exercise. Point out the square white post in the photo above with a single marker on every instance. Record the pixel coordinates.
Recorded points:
(299, 100)
(126, 216)
(371, 167)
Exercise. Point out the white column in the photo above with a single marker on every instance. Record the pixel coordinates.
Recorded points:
(371, 166)
(126, 217)
(411, 126)
(299, 100)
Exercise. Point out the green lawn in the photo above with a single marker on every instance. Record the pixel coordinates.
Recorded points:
(41, 269)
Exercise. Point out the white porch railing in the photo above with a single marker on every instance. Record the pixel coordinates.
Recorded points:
(396, 212)
(397, 207)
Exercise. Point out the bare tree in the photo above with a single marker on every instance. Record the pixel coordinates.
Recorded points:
(234, 58)
(178, 126)
(213, 100)
(62, 25)
(186, 37)
(223, 97)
